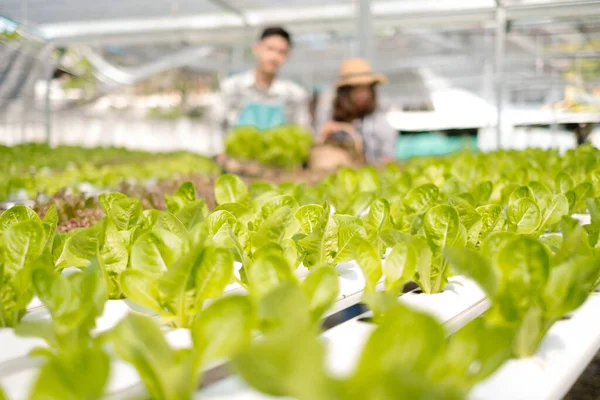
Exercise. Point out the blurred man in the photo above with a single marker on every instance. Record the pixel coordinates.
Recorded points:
(257, 97)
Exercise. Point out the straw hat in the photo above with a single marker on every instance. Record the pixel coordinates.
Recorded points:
(358, 71)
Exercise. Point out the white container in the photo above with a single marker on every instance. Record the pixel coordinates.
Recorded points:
(232, 388)
(461, 301)
(584, 219)
(15, 347)
(123, 382)
(562, 356)
(352, 286)
(18, 384)
(114, 311)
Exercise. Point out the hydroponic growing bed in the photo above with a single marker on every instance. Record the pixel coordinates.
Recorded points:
(179, 298)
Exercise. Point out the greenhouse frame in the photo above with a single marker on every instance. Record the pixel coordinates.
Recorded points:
(143, 255)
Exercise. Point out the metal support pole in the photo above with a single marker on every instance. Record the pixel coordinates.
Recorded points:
(53, 64)
(554, 97)
(237, 57)
(48, 111)
(501, 29)
(364, 21)
(24, 13)
(487, 77)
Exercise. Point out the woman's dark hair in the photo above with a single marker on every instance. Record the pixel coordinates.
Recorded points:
(276, 31)
(345, 111)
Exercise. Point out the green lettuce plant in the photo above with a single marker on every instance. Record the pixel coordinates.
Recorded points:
(220, 331)
(75, 366)
(275, 289)
(416, 257)
(406, 354)
(593, 229)
(529, 287)
(325, 239)
(533, 208)
(26, 243)
(130, 235)
(174, 278)
(74, 303)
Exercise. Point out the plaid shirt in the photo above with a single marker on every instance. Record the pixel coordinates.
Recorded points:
(238, 89)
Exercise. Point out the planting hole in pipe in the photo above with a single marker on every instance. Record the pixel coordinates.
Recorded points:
(409, 287)
(366, 320)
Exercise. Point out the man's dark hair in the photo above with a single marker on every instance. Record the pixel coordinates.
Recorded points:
(276, 31)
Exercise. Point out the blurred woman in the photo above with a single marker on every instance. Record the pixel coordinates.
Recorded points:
(356, 116)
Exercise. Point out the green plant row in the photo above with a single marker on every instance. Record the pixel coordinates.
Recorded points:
(37, 168)
(486, 216)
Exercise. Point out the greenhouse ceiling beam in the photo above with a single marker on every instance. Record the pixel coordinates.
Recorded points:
(549, 10)
(440, 40)
(224, 5)
(230, 30)
(113, 75)
(384, 64)
(336, 17)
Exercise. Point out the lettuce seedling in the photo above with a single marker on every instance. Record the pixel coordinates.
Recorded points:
(176, 288)
(128, 235)
(532, 209)
(186, 207)
(25, 243)
(75, 367)
(529, 288)
(407, 214)
(220, 331)
(325, 239)
(593, 229)
(74, 303)
(270, 271)
(441, 229)
(406, 354)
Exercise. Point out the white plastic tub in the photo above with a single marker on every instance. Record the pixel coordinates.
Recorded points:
(352, 285)
(15, 347)
(562, 356)
(461, 301)
(584, 219)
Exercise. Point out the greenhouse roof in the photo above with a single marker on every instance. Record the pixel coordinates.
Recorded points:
(111, 21)
(127, 40)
